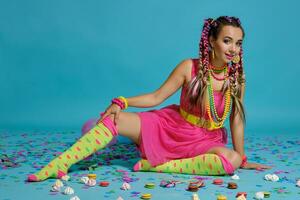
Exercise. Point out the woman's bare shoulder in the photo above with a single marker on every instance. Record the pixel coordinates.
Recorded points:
(187, 65)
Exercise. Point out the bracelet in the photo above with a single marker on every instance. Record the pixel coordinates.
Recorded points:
(118, 103)
(244, 161)
(121, 102)
(124, 100)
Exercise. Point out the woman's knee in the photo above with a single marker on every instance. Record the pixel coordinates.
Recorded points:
(129, 125)
(232, 156)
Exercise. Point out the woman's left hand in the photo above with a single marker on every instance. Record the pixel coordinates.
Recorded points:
(255, 166)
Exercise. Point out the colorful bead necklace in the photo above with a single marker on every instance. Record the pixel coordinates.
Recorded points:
(214, 118)
(217, 78)
(217, 70)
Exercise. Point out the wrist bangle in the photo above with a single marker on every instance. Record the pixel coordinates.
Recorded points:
(244, 160)
(124, 100)
(118, 102)
(121, 102)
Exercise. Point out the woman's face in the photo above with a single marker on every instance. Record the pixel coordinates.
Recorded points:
(227, 45)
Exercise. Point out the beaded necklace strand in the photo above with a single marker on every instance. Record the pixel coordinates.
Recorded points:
(214, 118)
(219, 79)
(217, 69)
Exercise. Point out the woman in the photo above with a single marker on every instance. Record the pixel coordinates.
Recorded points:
(186, 138)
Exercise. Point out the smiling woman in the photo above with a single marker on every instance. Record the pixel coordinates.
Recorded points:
(186, 138)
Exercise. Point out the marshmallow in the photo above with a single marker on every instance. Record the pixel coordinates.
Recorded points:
(235, 177)
(195, 196)
(259, 195)
(65, 178)
(74, 198)
(91, 182)
(58, 183)
(272, 177)
(241, 197)
(69, 190)
(84, 179)
(125, 186)
(55, 188)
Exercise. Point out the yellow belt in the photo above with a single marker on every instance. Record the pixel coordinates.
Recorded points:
(199, 121)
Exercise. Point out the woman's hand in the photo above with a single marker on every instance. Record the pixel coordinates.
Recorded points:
(113, 110)
(249, 165)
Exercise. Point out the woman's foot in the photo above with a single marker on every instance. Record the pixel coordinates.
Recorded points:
(137, 166)
(44, 174)
(142, 165)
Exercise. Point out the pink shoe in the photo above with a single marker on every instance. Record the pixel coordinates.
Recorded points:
(137, 166)
(32, 178)
(60, 174)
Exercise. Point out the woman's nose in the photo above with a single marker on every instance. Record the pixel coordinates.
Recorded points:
(233, 48)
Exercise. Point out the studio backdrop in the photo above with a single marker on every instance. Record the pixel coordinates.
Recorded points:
(61, 62)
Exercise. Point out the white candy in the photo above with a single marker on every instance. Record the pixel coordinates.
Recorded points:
(120, 198)
(298, 183)
(271, 177)
(58, 183)
(91, 182)
(69, 190)
(275, 178)
(195, 196)
(259, 195)
(268, 177)
(65, 178)
(241, 197)
(125, 186)
(55, 188)
(75, 198)
(84, 179)
(235, 177)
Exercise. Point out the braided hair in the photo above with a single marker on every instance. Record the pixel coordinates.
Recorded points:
(198, 85)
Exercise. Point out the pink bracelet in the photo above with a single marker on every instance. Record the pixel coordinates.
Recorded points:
(118, 102)
(244, 161)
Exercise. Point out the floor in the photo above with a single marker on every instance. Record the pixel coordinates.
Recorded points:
(22, 153)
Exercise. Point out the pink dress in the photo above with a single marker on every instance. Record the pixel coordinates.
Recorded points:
(167, 135)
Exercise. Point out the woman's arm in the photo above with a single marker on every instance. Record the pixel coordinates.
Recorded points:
(237, 128)
(175, 80)
(237, 133)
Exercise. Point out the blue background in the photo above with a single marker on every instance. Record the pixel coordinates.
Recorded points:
(61, 62)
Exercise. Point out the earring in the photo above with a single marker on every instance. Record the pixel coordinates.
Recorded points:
(213, 54)
(236, 59)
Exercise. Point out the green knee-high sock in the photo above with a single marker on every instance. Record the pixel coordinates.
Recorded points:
(97, 138)
(205, 164)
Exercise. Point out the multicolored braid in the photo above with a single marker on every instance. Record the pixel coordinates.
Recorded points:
(237, 80)
(198, 84)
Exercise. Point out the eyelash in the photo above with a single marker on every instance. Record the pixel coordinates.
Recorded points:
(238, 44)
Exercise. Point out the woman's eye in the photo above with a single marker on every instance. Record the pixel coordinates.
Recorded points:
(226, 41)
(239, 44)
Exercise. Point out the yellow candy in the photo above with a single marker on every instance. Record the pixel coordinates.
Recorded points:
(146, 196)
(267, 194)
(150, 185)
(92, 176)
(221, 197)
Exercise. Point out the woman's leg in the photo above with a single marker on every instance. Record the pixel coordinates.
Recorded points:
(97, 138)
(204, 164)
(129, 125)
(217, 161)
(231, 159)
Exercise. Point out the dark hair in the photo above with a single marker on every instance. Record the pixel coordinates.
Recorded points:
(198, 85)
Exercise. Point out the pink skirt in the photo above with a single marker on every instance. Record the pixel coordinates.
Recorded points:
(165, 136)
